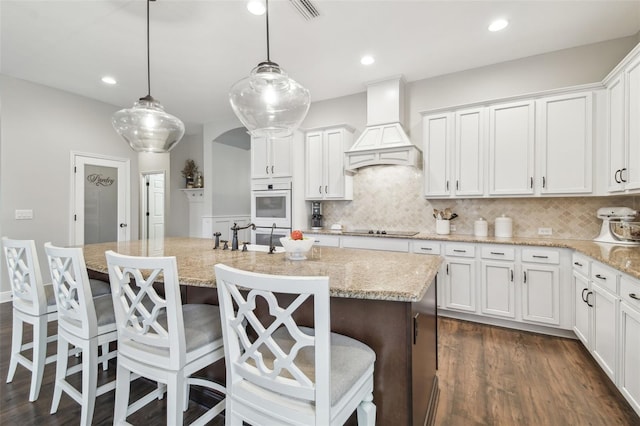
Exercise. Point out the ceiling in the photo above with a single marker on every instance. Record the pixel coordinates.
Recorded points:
(200, 48)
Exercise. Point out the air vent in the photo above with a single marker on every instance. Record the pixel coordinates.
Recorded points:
(305, 8)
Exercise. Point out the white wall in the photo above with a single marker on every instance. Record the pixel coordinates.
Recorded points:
(231, 181)
(40, 127)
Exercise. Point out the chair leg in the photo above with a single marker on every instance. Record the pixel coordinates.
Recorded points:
(62, 358)
(16, 344)
(175, 397)
(123, 377)
(367, 412)
(38, 356)
(230, 417)
(89, 381)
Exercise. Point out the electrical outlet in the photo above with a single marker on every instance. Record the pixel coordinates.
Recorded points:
(24, 214)
(452, 227)
(545, 231)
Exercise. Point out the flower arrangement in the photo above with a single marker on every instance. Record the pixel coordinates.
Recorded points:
(189, 172)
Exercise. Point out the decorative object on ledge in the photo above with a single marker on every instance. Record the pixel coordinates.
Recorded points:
(189, 172)
(194, 195)
(147, 127)
(268, 102)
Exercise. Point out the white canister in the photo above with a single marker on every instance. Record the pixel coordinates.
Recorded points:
(443, 227)
(504, 227)
(480, 228)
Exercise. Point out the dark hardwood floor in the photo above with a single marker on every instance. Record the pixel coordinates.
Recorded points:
(488, 376)
(496, 376)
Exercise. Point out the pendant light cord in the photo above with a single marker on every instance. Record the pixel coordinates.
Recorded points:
(148, 55)
(267, 17)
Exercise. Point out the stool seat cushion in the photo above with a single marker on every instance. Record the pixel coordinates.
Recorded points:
(50, 294)
(201, 325)
(99, 287)
(104, 310)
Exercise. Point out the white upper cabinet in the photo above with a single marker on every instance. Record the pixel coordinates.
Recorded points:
(271, 157)
(325, 177)
(454, 153)
(623, 127)
(511, 148)
(565, 144)
(437, 131)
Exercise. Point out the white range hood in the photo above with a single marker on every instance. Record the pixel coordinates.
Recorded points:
(383, 141)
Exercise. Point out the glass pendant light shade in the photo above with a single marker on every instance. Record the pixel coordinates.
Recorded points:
(268, 102)
(147, 127)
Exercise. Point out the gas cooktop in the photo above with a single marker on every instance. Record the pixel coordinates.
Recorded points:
(383, 232)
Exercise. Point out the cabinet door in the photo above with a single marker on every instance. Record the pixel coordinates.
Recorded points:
(565, 132)
(615, 133)
(281, 157)
(436, 131)
(631, 176)
(260, 167)
(334, 164)
(469, 153)
(581, 309)
(630, 355)
(313, 151)
(511, 148)
(604, 329)
(498, 292)
(460, 291)
(541, 294)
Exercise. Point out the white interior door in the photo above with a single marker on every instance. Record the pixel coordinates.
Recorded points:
(153, 206)
(100, 206)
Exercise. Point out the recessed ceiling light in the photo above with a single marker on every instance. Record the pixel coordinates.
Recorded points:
(257, 7)
(108, 80)
(367, 60)
(498, 24)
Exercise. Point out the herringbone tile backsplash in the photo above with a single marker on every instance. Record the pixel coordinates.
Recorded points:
(391, 198)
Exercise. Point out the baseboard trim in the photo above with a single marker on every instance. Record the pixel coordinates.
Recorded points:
(5, 296)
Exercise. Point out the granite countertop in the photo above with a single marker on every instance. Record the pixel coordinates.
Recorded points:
(358, 274)
(623, 258)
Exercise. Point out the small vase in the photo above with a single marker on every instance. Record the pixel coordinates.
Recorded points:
(189, 183)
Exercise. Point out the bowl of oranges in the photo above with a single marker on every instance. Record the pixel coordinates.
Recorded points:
(296, 245)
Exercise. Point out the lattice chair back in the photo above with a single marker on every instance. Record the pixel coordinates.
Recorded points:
(144, 318)
(72, 289)
(265, 354)
(24, 276)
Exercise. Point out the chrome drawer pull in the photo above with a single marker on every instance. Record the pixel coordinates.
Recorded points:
(601, 277)
(634, 296)
(540, 257)
(578, 264)
(426, 248)
(459, 251)
(497, 252)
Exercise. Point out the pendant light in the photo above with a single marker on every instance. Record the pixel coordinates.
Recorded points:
(268, 102)
(146, 126)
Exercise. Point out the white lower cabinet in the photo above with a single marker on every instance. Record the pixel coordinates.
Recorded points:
(460, 286)
(541, 294)
(629, 371)
(582, 308)
(498, 289)
(604, 329)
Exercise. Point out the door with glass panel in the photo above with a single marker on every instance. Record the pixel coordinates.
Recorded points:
(101, 205)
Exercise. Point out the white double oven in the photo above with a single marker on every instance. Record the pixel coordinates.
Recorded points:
(270, 207)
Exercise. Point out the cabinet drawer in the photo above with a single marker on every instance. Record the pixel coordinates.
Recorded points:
(541, 256)
(498, 252)
(326, 240)
(605, 277)
(425, 247)
(581, 264)
(461, 250)
(630, 291)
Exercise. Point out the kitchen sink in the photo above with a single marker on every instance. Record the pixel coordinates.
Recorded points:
(383, 232)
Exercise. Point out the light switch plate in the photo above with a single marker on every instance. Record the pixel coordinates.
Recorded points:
(545, 231)
(24, 214)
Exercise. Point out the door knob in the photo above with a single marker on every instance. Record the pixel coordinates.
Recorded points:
(123, 225)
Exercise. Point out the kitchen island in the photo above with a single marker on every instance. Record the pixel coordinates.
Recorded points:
(386, 300)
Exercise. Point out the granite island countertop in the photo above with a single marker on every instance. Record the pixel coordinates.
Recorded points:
(626, 259)
(359, 274)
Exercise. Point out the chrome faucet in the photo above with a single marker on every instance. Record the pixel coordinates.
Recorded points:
(235, 228)
(272, 248)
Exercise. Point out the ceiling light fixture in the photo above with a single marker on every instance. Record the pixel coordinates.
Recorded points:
(146, 126)
(498, 24)
(256, 7)
(268, 102)
(108, 80)
(367, 60)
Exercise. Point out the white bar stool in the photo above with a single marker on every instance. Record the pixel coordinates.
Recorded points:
(284, 374)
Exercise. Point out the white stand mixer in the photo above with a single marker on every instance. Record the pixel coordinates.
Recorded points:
(614, 218)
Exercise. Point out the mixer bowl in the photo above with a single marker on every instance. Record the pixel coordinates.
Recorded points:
(626, 231)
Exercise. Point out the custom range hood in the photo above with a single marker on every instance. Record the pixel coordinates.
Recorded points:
(383, 141)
